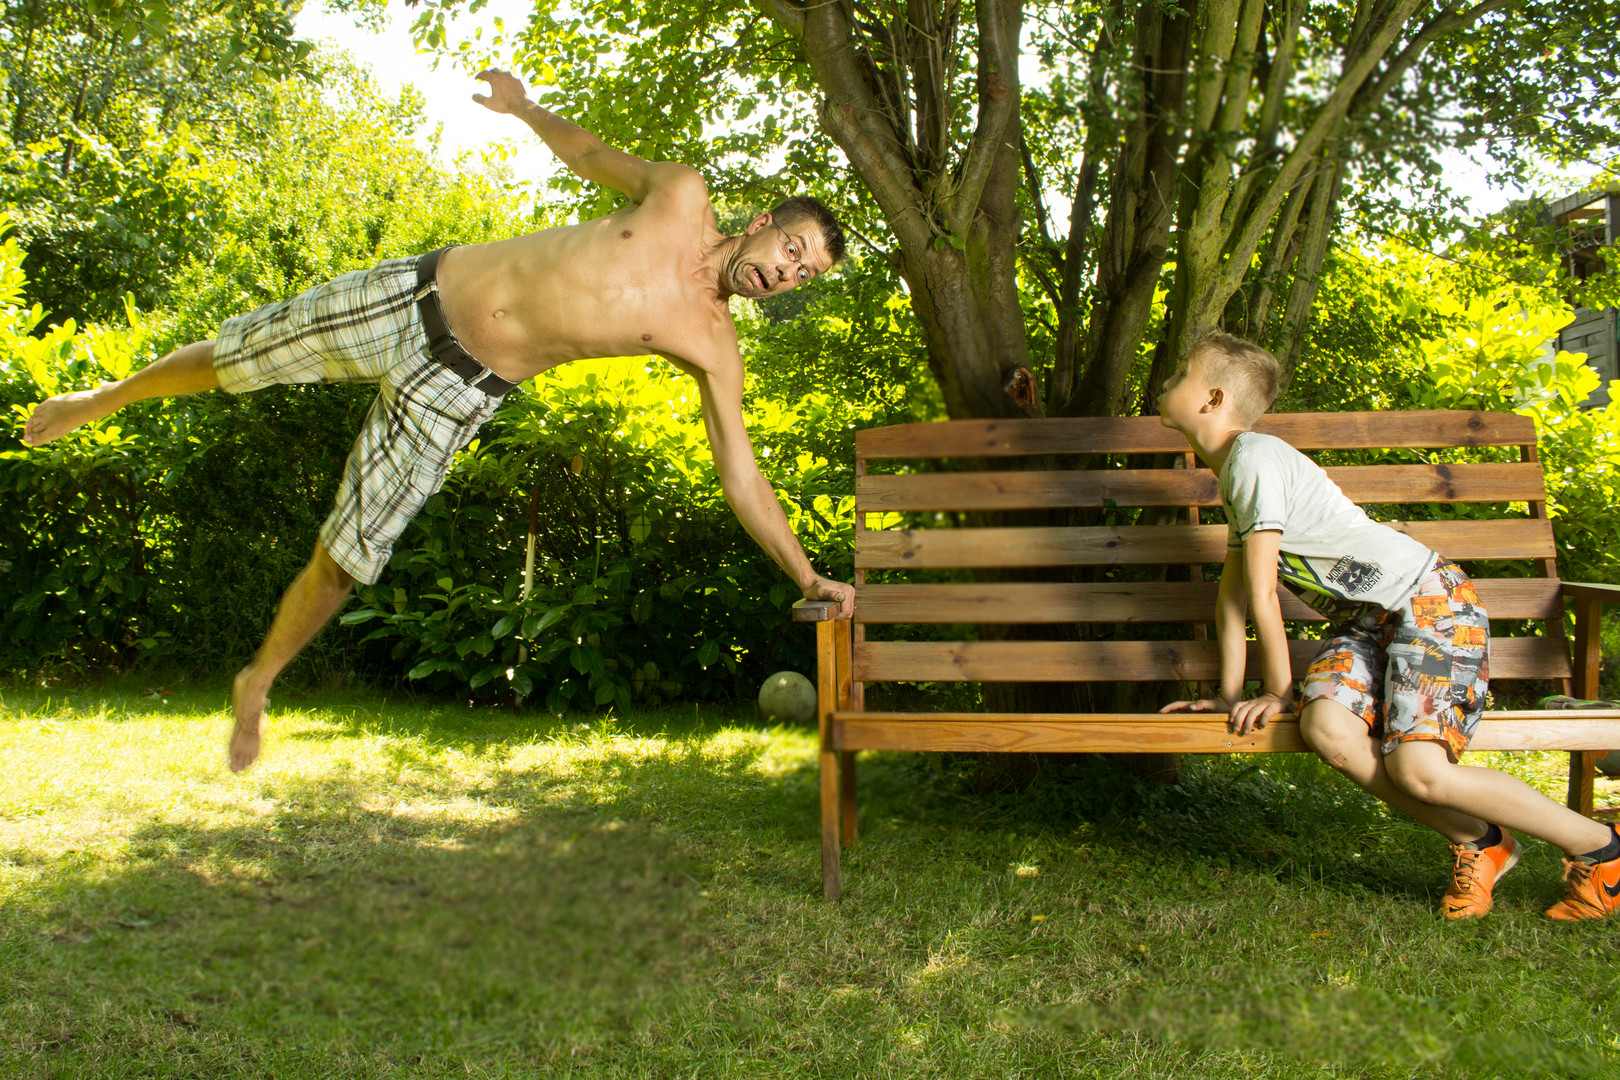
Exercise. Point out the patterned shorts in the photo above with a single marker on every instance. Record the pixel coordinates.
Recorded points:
(1418, 672)
(364, 327)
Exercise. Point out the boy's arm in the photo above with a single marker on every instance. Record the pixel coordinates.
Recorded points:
(1231, 618)
(1276, 672)
(1231, 622)
(582, 151)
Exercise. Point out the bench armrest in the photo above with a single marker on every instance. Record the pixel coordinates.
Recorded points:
(815, 611)
(1581, 591)
(1589, 600)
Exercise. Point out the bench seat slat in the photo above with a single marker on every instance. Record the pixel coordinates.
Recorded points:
(880, 549)
(1145, 435)
(1153, 732)
(1467, 483)
(1135, 661)
(1135, 602)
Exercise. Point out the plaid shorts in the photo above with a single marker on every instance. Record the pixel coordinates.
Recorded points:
(364, 327)
(1418, 672)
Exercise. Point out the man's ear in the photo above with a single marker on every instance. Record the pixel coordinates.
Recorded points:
(1216, 397)
(758, 223)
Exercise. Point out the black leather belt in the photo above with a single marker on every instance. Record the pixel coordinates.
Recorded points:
(441, 342)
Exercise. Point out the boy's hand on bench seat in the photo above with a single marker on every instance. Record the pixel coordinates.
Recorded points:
(1251, 715)
(1241, 718)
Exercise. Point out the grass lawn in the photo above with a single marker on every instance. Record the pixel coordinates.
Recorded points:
(413, 889)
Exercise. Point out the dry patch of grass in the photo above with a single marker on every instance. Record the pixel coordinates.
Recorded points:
(410, 889)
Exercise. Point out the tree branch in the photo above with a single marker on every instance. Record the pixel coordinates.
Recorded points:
(1328, 120)
(852, 115)
(999, 102)
(787, 14)
(1282, 73)
(1436, 28)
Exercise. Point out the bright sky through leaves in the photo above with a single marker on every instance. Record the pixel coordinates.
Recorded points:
(467, 127)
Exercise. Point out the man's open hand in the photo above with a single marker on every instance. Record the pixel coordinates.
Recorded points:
(828, 589)
(506, 92)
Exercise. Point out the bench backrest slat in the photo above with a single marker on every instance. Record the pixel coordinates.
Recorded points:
(1134, 661)
(1498, 482)
(1133, 602)
(916, 549)
(1145, 435)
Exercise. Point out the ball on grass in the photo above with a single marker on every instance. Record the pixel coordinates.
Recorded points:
(788, 697)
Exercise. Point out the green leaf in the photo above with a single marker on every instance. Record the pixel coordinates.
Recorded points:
(355, 618)
(424, 669)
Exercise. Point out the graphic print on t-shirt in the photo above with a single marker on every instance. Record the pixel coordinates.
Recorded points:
(1354, 577)
(1332, 596)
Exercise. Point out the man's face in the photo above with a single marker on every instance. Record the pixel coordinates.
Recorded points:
(773, 259)
(1183, 395)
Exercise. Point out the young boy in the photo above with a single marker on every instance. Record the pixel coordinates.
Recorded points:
(1398, 688)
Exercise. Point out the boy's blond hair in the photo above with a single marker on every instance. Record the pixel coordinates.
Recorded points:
(1248, 373)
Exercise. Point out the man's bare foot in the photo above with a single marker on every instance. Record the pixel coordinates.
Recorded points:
(56, 416)
(249, 704)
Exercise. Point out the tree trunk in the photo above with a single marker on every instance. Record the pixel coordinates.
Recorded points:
(1136, 233)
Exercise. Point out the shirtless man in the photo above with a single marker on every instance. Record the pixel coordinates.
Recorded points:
(654, 277)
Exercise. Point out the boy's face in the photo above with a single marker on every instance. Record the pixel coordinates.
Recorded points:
(1183, 395)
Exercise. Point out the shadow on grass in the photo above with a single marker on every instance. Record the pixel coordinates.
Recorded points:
(1287, 817)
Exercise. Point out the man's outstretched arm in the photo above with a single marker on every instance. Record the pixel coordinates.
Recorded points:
(583, 152)
(750, 494)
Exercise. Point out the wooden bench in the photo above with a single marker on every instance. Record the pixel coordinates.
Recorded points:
(926, 559)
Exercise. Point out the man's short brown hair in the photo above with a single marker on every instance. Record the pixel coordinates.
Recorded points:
(802, 208)
(1248, 373)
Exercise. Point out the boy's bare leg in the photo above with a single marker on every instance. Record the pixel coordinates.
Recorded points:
(187, 370)
(1424, 771)
(1342, 739)
(309, 602)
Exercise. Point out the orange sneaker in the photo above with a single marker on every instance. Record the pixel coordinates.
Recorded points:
(1474, 873)
(1593, 890)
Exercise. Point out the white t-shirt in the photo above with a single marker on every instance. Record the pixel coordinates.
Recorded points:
(1331, 550)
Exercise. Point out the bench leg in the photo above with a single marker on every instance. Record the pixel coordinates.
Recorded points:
(1582, 772)
(831, 887)
(846, 795)
(837, 767)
